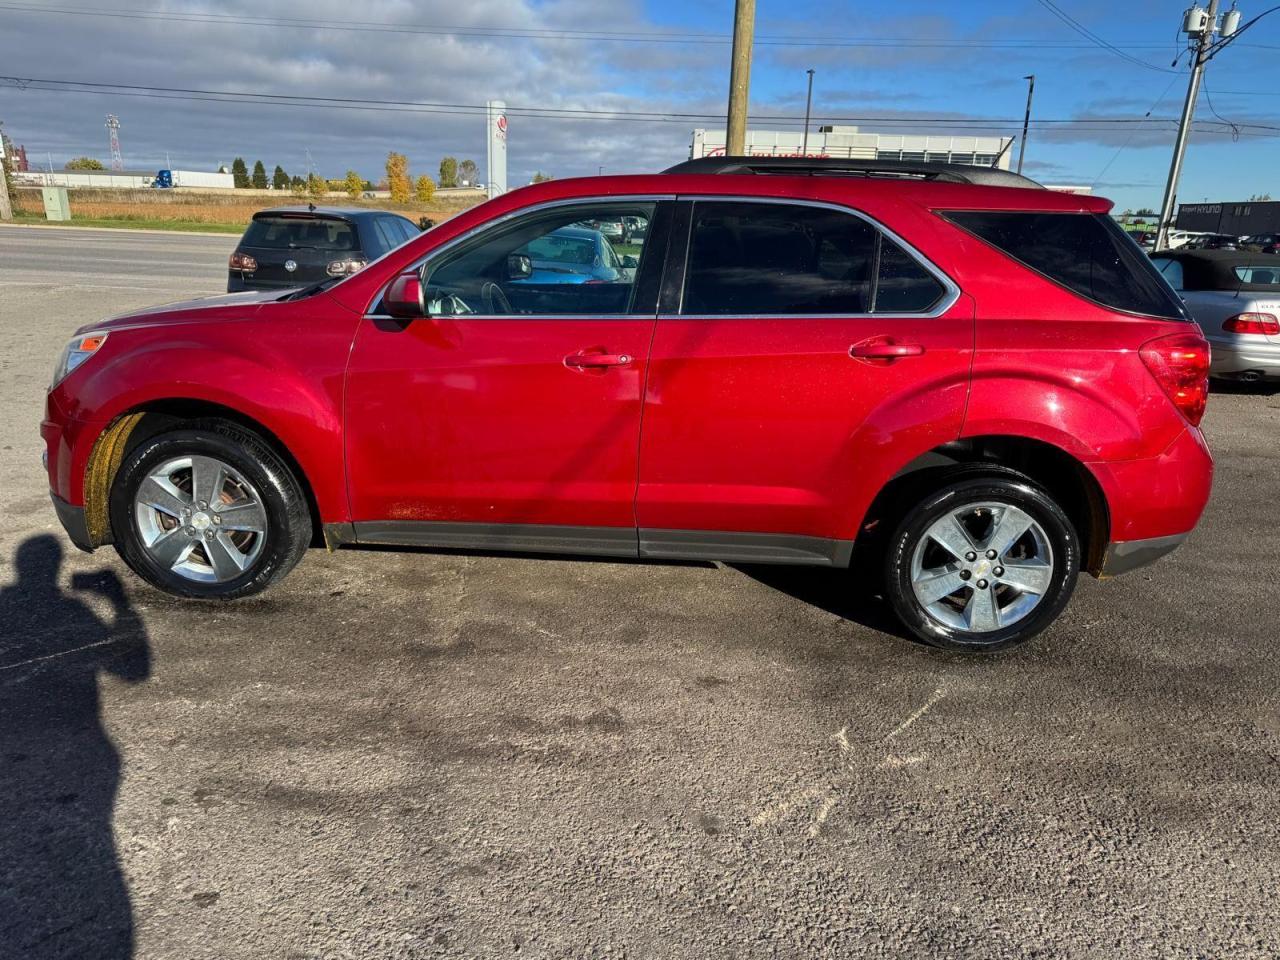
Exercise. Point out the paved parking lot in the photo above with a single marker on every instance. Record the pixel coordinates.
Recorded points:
(412, 755)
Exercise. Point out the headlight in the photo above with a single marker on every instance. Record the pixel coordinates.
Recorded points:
(76, 352)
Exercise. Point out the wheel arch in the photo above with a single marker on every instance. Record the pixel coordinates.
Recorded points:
(148, 419)
(1066, 478)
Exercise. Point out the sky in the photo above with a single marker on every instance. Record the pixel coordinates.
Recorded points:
(923, 61)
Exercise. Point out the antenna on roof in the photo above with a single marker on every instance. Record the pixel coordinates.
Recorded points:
(1003, 150)
(311, 208)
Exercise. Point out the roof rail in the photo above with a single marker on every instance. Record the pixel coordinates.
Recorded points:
(834, 167)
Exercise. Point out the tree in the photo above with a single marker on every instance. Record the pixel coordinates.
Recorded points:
(398, 176)
(449, 172)
(426, 189)
(1144, 212)
(1260, 198)
(259, 176)
(317, 186)
(280, 179)
(84, 163)
(467, 172)
(541, 177)
(297, 181)
(240, 173)
(354, 185)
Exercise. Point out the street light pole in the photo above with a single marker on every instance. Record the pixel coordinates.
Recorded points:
(744, 24)
(808, 102)
(1203, 41)
(1026, 119)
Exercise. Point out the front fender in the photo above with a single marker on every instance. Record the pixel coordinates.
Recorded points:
(239, 366)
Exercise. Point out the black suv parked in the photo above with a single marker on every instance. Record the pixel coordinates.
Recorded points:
(296, 246)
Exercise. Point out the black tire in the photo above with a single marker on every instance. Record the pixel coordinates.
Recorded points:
(1012, 490)
(288, 517)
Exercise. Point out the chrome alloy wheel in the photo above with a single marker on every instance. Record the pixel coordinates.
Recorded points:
(982, 567)
(200, 518)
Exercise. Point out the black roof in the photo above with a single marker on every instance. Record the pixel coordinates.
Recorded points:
(1215, 269)
(328, 213)
(833, 167)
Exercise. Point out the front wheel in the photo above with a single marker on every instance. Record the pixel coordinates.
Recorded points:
(208, 511)
(982, 564)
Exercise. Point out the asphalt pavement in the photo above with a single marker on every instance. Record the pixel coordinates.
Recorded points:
(414, 755)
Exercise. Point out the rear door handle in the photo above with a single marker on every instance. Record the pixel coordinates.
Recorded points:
(597, 360)
(881, 349)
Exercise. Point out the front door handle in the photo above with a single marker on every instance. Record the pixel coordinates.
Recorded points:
(592, 360)
(883, 348)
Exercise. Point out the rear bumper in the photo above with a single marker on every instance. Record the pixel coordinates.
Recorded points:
(236, 283)
(1233, 357)
(1153, 503)
(1126, 555)
(72, 519)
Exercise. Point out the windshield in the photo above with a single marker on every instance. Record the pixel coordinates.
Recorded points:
(297, 233)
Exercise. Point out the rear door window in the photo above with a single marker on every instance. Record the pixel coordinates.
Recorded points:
(779, 259)
(1089, 254)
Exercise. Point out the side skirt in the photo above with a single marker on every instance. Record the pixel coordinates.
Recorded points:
(646, 543)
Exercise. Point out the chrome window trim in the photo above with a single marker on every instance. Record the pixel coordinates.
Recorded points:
(511, 215)
(951, 291)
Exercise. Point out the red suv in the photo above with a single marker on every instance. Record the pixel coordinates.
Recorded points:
(983, 384)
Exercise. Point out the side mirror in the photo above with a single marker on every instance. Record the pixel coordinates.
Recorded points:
(630, 262)
(404, 298)
(519, 267)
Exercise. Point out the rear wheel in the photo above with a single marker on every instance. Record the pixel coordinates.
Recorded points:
(982, 564)
(208, 511)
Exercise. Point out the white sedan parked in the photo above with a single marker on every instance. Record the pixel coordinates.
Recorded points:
(1235, 297)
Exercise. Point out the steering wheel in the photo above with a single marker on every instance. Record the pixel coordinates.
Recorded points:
(495, 301)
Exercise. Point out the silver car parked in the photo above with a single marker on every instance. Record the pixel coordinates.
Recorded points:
(1235, 297)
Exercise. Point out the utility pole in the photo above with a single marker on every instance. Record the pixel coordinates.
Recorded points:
(744, 27)
(808, 102)
(1203, 32)
(1026, 119)
(6, 210)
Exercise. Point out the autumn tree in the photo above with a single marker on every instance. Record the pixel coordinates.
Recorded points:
(240, 174)
(541, 177)
(398, 176)
(425, 189)
(354, 185)
(280, 179)
(449, 172)
(317, 186)
(467, 172)
(84, 163)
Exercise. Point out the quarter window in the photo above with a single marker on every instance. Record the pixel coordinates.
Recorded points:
(773, 259)
(1171, 270)
(1086, 253)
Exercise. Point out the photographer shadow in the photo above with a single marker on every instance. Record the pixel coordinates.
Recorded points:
(62, 892)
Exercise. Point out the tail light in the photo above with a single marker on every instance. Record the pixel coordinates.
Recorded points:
(1263, 323)
(1180, 364)
(344, 268)
(242, 261)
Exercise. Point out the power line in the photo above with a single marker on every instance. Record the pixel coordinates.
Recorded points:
(1084, 31)
(561, 34)
(1128, 140)
(1077, 124)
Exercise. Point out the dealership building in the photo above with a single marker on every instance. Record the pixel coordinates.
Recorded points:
(849, 143)
(1241, 219)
